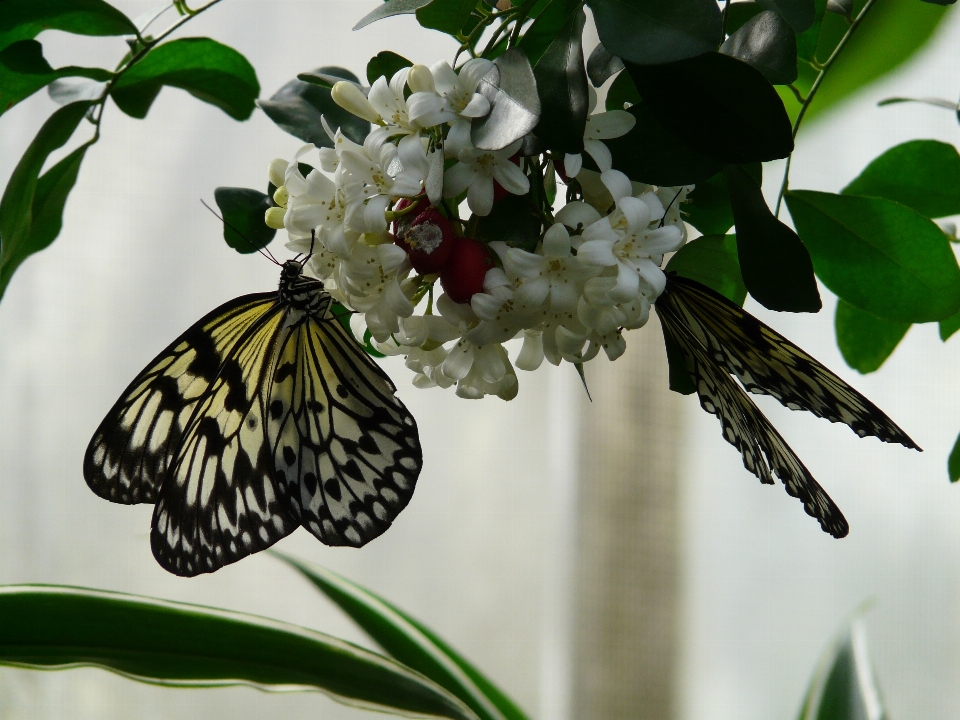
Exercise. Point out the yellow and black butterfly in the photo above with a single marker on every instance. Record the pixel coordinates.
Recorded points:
(265, 415)
(718, 341)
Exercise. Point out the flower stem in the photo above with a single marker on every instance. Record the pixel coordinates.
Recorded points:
(813, 92)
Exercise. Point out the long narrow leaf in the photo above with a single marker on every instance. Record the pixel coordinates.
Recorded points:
(411, 643)
(188, 645)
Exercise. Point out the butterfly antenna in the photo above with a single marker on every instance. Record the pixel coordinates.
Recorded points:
(263, 251)
(663, 219)
(313, 241)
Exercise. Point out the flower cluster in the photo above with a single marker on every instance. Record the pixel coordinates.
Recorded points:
(382, 223)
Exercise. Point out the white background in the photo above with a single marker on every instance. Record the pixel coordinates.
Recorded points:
(475, 555)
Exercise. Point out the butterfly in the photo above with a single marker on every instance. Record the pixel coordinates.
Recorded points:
(718, 341)
(263, 416)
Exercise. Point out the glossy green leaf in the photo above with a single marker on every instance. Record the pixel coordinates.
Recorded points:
(24, 70)
(808, 40)
(767, 43)
(922, 174)
(242, 210)
(298, 106)
(511, 90)
(188, 645)
(953, 462)
(776, 265)
(25, 196)
(865, 340)
(949, 325)
(513, 220)
(385, 64)
(712, 261)
(447, 16)
(652, 154)
(206, 69)
(622, 91)
(892, 32)
(720, 106)
(709, 210)
(739, 13)
(679, 379)
(799, 14)
(562, 86)
(601, 66)
(411, 643)
(844, 686)
(544, 30)
(25, 19)
(879, 256)
(389, 9)
(652, 32)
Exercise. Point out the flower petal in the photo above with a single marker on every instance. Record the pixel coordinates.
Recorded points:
(480, 195)
(511, 177)
(572, 162)
(609, 125)
(600, 154)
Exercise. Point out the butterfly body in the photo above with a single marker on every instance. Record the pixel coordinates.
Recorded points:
(264, 416)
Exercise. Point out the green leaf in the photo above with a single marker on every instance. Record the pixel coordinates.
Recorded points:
(242, 210)
(953, 462)
(922, 174)
(601, 66)
(409, 642)
(513, 220)
(738, 13)
(206, 69)
(720, 106)
(799, 13)
(844, 687)
(298, 106)
(767, 43)
(511, 90)
(389, 9)
(949, 325)
(679, 378)
(776, 265)
(189, 645)
(25, 196)
(385, 64)
(865, 340)
(24, 70)
(891, 33)
(650, 153)
(709, 210)
(447, 16)
(25, 19)
(712, 261)
(562, 87)
(652, 32)
(548, 25)
(622, 91)
(879, 256)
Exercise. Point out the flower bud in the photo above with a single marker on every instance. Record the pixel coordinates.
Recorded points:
(277, 171)
(420, 79)
(351, 98)
(273, 217)
(281, 196)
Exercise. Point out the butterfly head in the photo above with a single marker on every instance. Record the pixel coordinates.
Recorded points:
(302, 292)
(290, 271)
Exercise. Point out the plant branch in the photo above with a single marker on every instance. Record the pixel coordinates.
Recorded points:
(813, 92)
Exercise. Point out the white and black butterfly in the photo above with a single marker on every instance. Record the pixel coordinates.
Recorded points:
(717, 340)
(263, 416)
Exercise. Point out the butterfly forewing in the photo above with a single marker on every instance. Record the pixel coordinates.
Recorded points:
(218, 502)
(764, 451)
(130, 452)
(766, 362)
(345, 446)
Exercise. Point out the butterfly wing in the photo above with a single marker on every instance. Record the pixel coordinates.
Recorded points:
(764, 451)
(765, 362)
(344, 446)
(129, 454)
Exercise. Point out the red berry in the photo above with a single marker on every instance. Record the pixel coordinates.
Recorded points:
(428, 241)
(462, 278)
(402, 223)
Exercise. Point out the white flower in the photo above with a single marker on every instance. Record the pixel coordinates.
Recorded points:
(476, 170)
(630, 240)
(481, 370)
(552, 281)
(600, 126)
(388, 101)
(453, 95)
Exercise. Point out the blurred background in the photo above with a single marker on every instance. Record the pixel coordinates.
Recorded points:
(610, 559)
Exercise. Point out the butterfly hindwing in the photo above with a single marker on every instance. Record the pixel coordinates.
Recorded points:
(344, 445)
(764, 451)
(219, 502)
(766, 362)
(130, 452)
